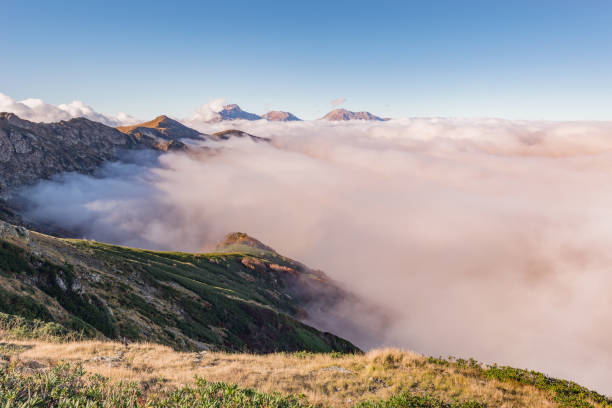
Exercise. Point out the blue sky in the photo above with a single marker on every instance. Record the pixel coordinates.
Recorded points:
(514, 59)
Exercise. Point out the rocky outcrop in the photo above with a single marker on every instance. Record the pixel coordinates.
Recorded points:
(343, 114)
(279, 116)
(31, 151)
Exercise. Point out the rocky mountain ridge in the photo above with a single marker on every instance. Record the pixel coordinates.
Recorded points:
(32, 151)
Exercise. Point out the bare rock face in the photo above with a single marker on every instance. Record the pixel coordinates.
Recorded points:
(9, 232)
(279, 116)
(343, 114)
(31, 151)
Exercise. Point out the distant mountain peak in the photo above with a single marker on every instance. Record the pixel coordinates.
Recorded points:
(241, 239)
(164, 121)
(161, 121)
(233, 112)
(162, 127)
(343, 114)
(280, 116)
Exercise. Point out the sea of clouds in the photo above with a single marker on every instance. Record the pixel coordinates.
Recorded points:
(486, 238)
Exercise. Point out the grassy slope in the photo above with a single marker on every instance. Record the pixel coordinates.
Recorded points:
(226, 301)
(380, 378)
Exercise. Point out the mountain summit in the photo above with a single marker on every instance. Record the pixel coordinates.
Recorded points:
(280, 116)
(240, 239)
(233, 112)
(343, 114)
(161, 127)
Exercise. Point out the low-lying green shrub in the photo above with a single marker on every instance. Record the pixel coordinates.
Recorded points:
(565, 393)
(407, 400)
(17, 328)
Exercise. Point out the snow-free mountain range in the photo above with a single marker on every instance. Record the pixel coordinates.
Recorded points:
(30, 151)
(233, 111)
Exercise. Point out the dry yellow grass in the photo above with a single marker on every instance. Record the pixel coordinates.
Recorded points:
(150, 124)
(325, 379)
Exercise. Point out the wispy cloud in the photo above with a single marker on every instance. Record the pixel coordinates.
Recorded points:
(338, 101)
(209, 111)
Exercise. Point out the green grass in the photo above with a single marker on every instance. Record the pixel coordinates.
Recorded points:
(313, 341)
(12, 259)
(177, 299)
(407, 400)
(236, 304)
(18, 327)
(565, 393)
(23, 305)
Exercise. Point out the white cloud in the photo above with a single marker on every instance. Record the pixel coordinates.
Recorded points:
(208, 112)
(125, 119)
(37, 110)
(338, 101)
